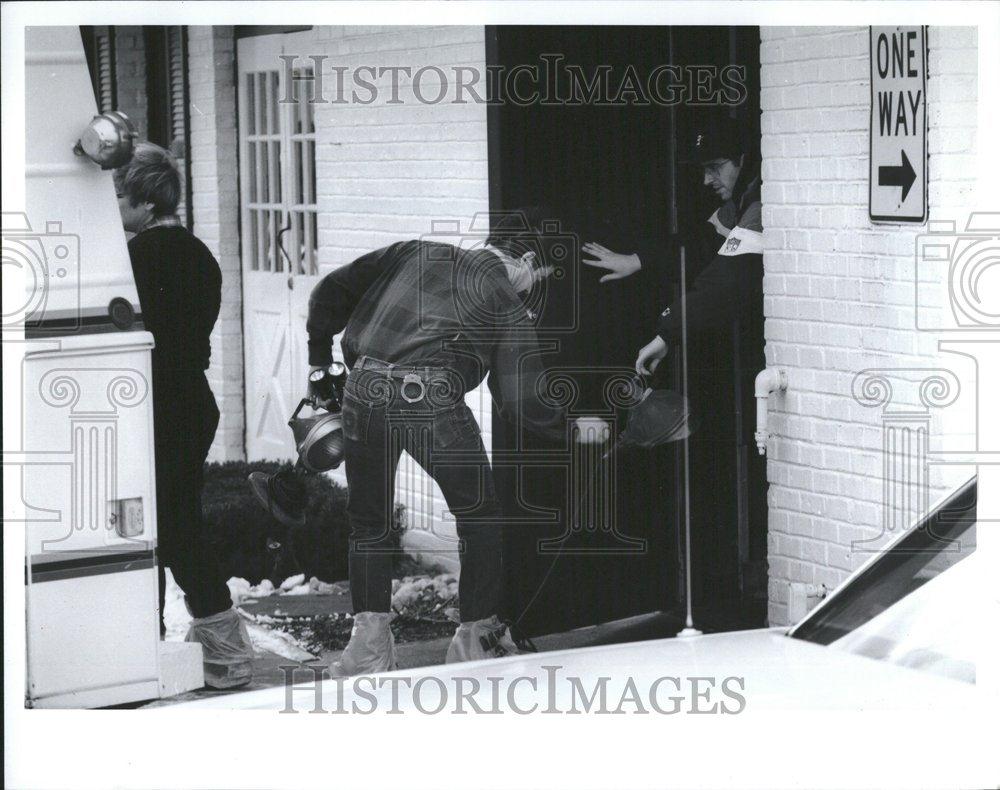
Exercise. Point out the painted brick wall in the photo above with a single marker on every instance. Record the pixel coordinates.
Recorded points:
(386, 172)
(215, 207)
(840, 295)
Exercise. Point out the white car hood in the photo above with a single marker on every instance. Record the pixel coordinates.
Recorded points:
(768, 669)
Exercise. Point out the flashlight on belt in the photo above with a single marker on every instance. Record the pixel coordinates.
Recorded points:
(326, 386)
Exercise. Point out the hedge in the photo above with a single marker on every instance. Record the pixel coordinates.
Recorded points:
(253, 546)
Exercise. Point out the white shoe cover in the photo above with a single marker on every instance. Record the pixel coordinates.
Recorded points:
(481, 639)
(227, 653)
(371, 648)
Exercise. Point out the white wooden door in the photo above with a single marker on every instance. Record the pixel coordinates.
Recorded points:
(279, 237)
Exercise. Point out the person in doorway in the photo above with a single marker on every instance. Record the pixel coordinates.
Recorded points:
(179, 285)
(731, 283)
(423, 324)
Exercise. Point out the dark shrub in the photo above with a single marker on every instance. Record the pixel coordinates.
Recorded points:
(254, 546)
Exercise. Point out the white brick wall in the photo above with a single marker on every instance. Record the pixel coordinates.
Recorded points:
(386, 172)
(839, 291)
(215, 207)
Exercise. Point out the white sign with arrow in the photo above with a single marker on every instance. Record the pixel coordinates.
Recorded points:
(897, 177)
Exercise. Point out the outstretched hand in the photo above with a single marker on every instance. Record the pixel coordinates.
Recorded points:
(618, 264)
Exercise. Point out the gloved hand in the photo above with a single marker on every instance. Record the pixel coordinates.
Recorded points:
(592, 430)
(523, 274)
(321, 390)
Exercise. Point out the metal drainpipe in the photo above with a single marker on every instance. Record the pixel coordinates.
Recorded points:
(768, 380)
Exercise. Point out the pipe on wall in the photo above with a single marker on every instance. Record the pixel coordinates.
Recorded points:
(768, 380)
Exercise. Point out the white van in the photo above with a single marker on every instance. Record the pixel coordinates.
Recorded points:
(88, 483)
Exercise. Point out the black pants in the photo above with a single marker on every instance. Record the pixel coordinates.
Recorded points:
(444, 438)
(185, 419)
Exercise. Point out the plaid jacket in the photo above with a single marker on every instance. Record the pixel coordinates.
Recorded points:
(431, 304)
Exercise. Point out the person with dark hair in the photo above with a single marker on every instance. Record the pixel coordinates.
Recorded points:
(731, 283)
(180, 291)
(424, 323)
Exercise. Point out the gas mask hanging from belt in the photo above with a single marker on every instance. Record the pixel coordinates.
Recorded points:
(319, 439)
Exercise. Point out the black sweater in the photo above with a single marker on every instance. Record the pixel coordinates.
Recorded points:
(180, 291)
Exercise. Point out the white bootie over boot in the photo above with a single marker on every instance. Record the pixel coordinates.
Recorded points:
(480, 639)
(371, 648)
(227, 652)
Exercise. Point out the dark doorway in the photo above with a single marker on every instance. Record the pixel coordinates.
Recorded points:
(575, 556)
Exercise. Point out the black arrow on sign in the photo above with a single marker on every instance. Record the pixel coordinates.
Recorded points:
(897, 175)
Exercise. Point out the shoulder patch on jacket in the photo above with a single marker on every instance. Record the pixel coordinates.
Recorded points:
(743, 241)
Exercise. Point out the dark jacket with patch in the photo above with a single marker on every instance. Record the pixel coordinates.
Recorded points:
(725, 319)
(734, 277)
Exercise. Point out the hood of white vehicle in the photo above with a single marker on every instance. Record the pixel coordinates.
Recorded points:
(731, 672)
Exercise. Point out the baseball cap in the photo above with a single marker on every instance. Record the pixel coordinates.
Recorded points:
(717, 137)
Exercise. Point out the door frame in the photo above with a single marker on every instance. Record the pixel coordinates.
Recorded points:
(503, 182)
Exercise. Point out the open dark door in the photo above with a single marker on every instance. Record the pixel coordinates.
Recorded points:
(589, 540)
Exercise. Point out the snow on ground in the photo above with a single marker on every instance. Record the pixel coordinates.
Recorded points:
(410, 589)
(417, 594)
(274, 640)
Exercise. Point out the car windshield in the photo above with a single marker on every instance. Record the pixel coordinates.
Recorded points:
(912, 606)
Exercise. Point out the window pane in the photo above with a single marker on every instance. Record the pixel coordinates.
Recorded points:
(263, 253)
(251, 98)
(252, 172)
(296, 171)
(272, 102)
(276, 257)
(309, 173)
(275, 162)
(260, 106)
(265, 171)
(312, 246)
(252, 242)
(294, 109)
(295, 240)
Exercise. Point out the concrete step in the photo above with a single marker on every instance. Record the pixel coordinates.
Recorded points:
(180, 668)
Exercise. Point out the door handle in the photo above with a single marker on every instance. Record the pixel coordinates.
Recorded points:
(291, 283)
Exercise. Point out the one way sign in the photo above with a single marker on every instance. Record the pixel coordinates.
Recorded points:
(897, 177)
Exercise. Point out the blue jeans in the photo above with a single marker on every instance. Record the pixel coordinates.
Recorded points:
(388, 409)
